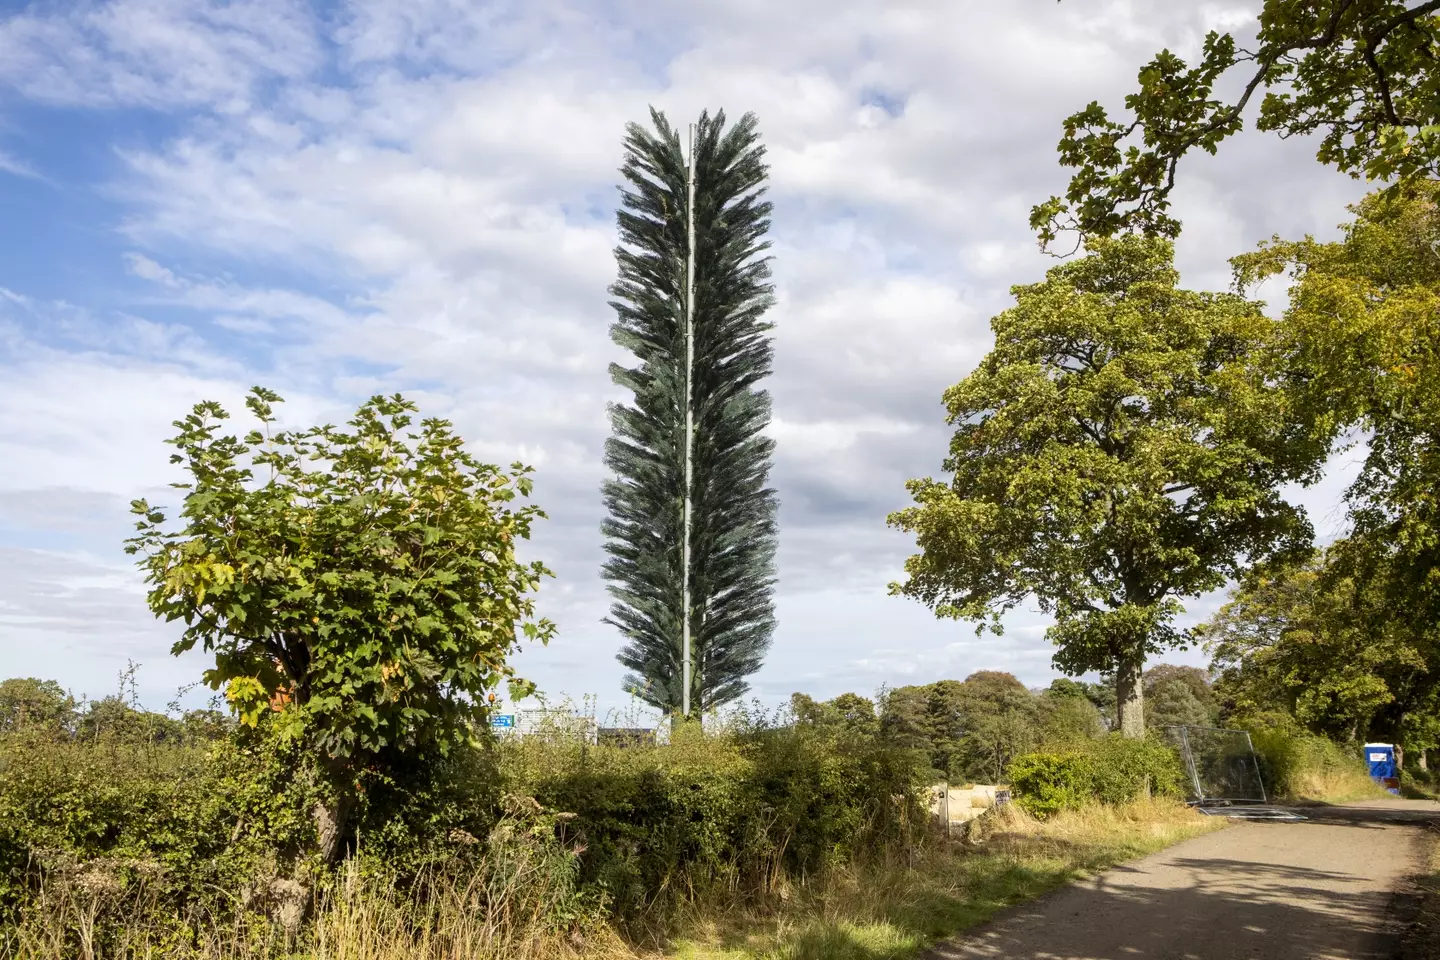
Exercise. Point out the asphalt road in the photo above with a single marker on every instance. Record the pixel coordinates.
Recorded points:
(1327, 888)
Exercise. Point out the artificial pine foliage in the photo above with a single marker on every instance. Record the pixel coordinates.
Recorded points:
(732, 540)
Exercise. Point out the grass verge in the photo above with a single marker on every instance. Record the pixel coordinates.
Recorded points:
(896, 910)
(1422, 938)
(518, 901)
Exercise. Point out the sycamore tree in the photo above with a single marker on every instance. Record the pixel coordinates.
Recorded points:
(1119, 450)
(360, 584)
(1363, 75)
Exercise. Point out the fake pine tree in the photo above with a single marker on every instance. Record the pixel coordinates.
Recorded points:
(691, 526)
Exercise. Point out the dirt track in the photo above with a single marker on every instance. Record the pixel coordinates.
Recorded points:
(1325, 888)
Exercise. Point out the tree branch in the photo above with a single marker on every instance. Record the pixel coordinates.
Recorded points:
(1373, 39)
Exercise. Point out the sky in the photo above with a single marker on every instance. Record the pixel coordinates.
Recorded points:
(418, 196)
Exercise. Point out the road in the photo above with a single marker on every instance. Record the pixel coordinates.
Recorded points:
(1326, 888)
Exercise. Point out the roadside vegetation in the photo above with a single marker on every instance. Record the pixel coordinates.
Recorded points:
(362, 594)
(1127, 445)
(803, 833)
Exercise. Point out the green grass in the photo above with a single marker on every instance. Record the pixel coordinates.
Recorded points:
(897, 910)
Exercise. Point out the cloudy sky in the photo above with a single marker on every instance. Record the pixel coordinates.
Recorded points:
(418, 195)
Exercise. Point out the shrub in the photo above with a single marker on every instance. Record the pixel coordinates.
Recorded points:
(630, 832)
(1046, 783)
(739, 810)
(1297, 764)
(1108, 770)
(1128, 769)
(184, 818)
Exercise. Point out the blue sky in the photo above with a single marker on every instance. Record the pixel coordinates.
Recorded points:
(418, 196)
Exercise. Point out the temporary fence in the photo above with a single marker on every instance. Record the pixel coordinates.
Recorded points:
(1220, 764)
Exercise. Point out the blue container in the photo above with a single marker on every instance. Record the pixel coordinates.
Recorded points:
(1380, 758)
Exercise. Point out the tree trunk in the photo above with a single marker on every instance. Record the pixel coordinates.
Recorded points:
(332, 821)
(1130, 698)
(1422, 761)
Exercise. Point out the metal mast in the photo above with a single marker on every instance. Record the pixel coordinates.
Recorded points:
(689, 418)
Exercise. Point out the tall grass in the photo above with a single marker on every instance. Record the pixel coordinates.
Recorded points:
(896, 907)
(517, 898)
(1298, 765)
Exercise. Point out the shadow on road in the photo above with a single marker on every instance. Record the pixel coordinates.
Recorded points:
(1223, 907)
(1116, 922)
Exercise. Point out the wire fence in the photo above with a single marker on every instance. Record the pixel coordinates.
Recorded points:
(1220, 764)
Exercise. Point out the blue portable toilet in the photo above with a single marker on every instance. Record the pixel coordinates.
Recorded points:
(1380, 758)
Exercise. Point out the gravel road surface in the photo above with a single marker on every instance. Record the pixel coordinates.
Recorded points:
(1327, 888)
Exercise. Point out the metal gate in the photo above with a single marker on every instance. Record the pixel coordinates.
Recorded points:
(1221, 764)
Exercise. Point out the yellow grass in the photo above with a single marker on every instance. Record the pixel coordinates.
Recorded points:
(890, 909)
(895, 910)
(1335, 785)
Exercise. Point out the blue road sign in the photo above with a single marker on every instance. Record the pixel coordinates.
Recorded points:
(503, 720)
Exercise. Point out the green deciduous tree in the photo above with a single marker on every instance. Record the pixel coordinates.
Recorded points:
(1177, 695)
(1363, 337)
(849, 711)
(1302, 640)
(31, 703)
(690, 515)
(1068, 717)
(1000, 718)
(1119, 449)
(361, 582)
(970, 729)
(1363, 74)
(1180, 694)
(930, 718)
(1101, 695)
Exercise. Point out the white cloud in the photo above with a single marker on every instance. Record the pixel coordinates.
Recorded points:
(156, 53)
(13, 165)
(430, 208)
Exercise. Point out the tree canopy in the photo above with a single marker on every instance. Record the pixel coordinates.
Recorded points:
(360, 583)
(1362, 74)
(970, 729)
(1120, 448)
(1352, 638)
(31, 703)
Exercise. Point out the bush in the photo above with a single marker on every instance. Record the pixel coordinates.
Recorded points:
(182, 818)
(203, 834)
(1128, 769)
(740, 810)
(1296, 764)
(1108, 770)
(1046, 783)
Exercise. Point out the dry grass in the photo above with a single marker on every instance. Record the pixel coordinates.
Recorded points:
(890, 909)
(1334, 785)
(519, 912)
(896, 909)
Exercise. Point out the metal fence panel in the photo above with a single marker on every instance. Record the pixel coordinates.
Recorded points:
(1220, 764)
